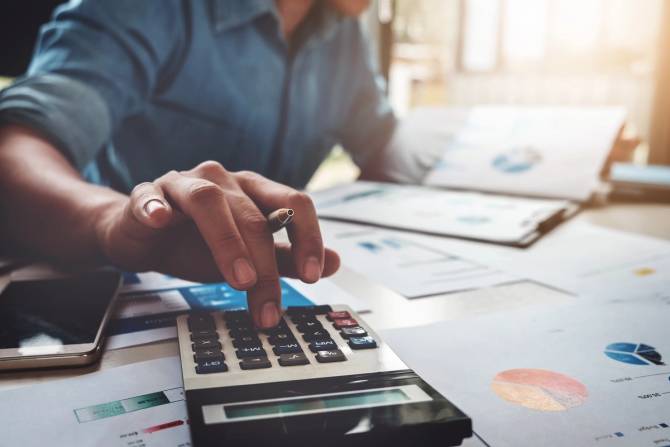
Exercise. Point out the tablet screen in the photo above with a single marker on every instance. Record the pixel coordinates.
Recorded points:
(55, 312)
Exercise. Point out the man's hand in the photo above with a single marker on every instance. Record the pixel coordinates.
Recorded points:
(208, 224)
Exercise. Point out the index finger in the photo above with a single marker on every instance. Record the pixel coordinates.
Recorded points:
(304, 232)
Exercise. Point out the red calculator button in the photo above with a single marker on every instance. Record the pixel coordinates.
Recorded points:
(338, 315)
(345, 322)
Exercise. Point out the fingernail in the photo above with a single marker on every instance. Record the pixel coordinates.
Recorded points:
(244, 272)
(152, 206)
(312, 269)
(269, 314)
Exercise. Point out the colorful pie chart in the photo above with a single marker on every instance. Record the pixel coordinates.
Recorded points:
(539, 389)
(634, 354)
(517, 160)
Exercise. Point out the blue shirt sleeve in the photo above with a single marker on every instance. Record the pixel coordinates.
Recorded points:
(370, 121)
(94, 65)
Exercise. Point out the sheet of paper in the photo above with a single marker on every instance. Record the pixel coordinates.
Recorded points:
(409, 265)
(135, 405)
(532, 151)
(151, 281)
(450, 213)
(578, 374)
(578, 257)
(596, 261)
(147, 306)
(327, 292)
(587, 259)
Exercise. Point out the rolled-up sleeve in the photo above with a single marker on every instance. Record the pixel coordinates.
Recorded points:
(71, 115)
(94, 65)
(370, 122)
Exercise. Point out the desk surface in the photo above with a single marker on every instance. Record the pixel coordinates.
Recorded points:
(389, 309)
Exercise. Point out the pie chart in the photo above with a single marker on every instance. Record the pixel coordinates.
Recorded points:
(634, 354)
(539, 389)
(517, 160)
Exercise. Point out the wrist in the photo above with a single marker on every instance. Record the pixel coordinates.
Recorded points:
(101, 217)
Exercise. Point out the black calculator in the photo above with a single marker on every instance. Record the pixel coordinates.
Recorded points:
(322, 377)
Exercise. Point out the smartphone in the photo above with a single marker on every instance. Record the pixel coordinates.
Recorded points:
(56, 321)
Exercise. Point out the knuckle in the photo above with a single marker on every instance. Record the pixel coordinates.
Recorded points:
(169, 177)
(313, 240)
(300, 200)
(255, 223)
(267, 280)
(210, 169)
(204, 191)
(228, 238)
(140, 189)
(247, 176)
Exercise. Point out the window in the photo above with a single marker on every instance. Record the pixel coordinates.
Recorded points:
(557, 52)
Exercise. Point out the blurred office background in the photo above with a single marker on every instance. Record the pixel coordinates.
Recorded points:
(438, 53)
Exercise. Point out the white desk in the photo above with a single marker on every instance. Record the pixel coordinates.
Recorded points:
(392, 310)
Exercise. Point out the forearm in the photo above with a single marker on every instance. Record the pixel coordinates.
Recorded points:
(46, 208)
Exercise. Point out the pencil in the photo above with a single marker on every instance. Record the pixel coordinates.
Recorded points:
(280, 218)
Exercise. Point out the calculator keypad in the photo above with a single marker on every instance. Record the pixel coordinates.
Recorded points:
(253, 348)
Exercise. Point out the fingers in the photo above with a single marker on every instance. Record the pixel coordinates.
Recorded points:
(148, 205)
(287, 266)
(304, 232)
(264, 298)
(205, 203)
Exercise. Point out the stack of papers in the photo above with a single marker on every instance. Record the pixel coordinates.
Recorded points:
(555, 152)
(468, 215)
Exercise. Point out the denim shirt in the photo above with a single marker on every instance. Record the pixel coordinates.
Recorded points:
(130, 89)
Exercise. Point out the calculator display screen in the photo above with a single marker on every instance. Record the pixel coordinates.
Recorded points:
(317, 403)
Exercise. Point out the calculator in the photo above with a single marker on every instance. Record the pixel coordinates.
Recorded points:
(322, 377)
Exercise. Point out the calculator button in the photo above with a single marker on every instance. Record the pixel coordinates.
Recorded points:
(241, 332)
(320, 334)
(203, 333)
(210, 343)
(247, 340)
(255, 362)
(293, 359)
(292, 311)
(200, 321)
(287, 348)
(281, 327)
(208, 367)
(338, 315)
(362, 343)
(281, 337)
(345, 322)
(251, 351)
(233, 316)
(355, 331)
(303, 318)
(241, 325)
(318, 310)
(322, 345)
(330, 356)
(202, 355)
(322, 309)
(309, 326)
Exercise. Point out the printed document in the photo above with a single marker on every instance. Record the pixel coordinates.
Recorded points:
(575, 374)
(412, 266)
(470, 215)
(141, 404)
(530, 151)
